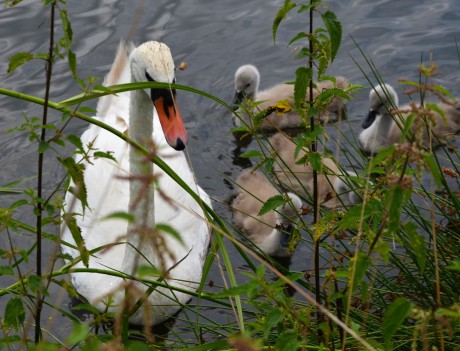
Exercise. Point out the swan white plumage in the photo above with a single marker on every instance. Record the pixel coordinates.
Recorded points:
(380, 128)
(115, 187)
(271, 231)
(247, 79)
(333, 190)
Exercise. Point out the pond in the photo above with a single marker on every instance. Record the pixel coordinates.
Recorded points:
(214, 38)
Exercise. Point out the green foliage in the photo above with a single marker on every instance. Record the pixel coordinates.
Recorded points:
(393, 318)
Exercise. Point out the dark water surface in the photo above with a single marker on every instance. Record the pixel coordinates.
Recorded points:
(214, 38)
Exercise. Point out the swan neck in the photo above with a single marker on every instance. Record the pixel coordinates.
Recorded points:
(141, 200)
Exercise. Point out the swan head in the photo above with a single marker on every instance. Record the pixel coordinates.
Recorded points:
(152, 61)
(247, 80)
(381, 99)
(285, 216)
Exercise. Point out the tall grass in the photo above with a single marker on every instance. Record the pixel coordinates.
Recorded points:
(385, 273)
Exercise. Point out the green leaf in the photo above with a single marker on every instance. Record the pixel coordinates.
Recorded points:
(71, 223)
(66, 26)
(34, 282)
(169, 230)
(282, 13)
(6, 270)
(104, 155)
(252, 153)
(334, 29)
(76, 141)
(454, 266)
(79, 333)
(417, 243)
(148, 271)
(434, 169)
(72, 62)
(394, 201)
(271, 204)
(43, 146)
(302, 81)
(75, 171)
(120, 215)
(315, 161)
(288, 341)
(18, 60)
(299, 36)
(15, 314)
(358, 267)
(87, 109)
(271, 319)
(394, 317)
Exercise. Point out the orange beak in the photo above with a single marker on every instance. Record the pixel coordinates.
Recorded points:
(171, 122)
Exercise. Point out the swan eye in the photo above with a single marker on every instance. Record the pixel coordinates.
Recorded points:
(150, 79)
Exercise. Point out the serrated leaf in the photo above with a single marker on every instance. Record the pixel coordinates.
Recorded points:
(358, 267)
(315, 161)
(434, 169)
(120, 215)
(79, 333)
(75, 171)
(43, 146)
(271, 204)
(87, 109)
(15, 314)
(169, 230)
(334, 28)
(76, 141)
(6, 270)
(271, 319)
(282, 107)
(393, 318)
(252, 153)
(72, 58)
(417, 243)
(85, 307)
(394, 201)
(104, 155)
(303, 77)
(66, 26)
(18, 60)
(17, 204)
(71, 223)
(34, 282)
(283, 11)
(299, 36)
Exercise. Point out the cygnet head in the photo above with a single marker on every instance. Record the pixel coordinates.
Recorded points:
(285, 216)
(347, 196)
(381, 99)
(152, 61)
(247, 80)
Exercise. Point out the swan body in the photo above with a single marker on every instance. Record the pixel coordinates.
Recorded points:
(269, 232)
(380, 128)
(333, 189)
(110, 190)
(247, 79)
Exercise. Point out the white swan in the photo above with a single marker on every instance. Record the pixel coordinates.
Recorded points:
(110, 191)
(271, 231)
(333, 190)
(381, 130)
(247, 79)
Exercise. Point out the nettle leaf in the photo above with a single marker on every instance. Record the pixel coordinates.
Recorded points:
(71, 222)
(315, 161)
(75, 171)
(394, 317)
(18, 60)
(417, 242)
(303, 77)
(299, 36)
(271, 204)
(15, 313)
(434, 169)
(79, 333)
(359, 265)
(72, 62)
(104, 155)
(282, 13)
(252, 153)
(334, 28)
(169, 230)
(394, 202)
(66, 26)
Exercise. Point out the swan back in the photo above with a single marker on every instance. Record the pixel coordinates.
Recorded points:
(254, 189)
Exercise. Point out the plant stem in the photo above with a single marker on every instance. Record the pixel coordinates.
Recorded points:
(315, 178)
(49, 66)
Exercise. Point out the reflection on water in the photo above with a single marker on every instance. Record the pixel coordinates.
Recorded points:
(214, 38)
